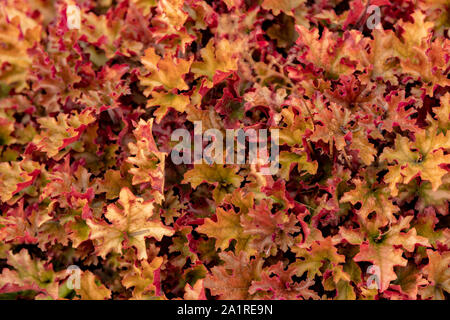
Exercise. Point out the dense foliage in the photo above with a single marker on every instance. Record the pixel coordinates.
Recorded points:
(86, 177)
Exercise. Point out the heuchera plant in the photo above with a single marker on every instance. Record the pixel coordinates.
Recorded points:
(92, 206)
